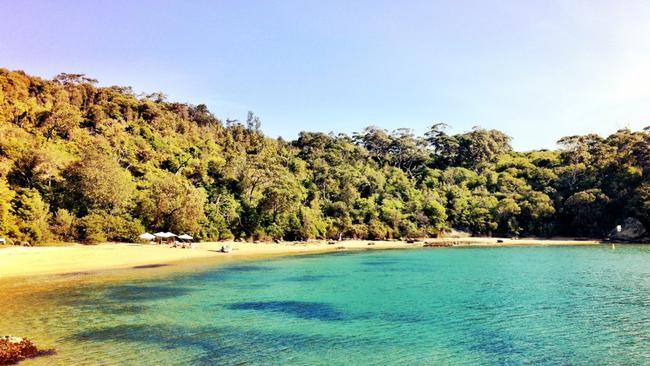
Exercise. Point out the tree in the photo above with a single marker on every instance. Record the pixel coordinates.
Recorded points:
(407, 151)
(105, 161)
(585, 211)
(63, 225)
(481, 146)
(377, 142)
(281, 204)
(507, 211)
(32, 214)
(445, 147)
(73, 79)
(470, 149)
(8, 224)
(101, 226)
(435, 214)
(172, 204)
(640, 203)
(98, 182)
(202, 115)
(60, 121)
(253, 122)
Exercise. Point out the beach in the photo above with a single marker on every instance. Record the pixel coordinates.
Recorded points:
(18, 261)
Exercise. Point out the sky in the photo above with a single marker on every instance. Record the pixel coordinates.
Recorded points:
(537, 70)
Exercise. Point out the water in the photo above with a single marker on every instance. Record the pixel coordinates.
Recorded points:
(458, 306)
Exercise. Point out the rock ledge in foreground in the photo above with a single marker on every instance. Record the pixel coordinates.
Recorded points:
(15, 349)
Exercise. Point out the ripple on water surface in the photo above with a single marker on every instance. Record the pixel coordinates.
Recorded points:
(535, 305)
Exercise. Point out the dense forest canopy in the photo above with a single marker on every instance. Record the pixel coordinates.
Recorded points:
(85, 163)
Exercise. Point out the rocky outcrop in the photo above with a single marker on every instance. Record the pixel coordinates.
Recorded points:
(630, 229)
(441, 244)
(15, 349)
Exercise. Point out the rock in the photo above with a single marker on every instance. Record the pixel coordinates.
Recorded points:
(331, 242)
(631, 229)
(436, 245)
(371, 243)
(15, 349)
(499, 241)
(411, 240)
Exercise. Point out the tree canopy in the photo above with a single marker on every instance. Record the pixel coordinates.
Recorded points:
(88, 163)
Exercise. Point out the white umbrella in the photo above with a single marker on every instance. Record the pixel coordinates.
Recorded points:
(164, 235)
(185, 237)
(147, 236)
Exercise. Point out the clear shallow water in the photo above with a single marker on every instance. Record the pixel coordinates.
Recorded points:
(473, 306)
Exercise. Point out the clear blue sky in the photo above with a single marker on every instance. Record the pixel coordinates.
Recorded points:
(538, 70)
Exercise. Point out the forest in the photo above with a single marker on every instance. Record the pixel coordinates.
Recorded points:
(84, 163)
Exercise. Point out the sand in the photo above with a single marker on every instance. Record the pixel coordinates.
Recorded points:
(70, 259)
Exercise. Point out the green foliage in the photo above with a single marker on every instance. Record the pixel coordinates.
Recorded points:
(100, 226)
(88, 163)
(471, 149)
(63, 225)
(32, 214)
(171, 203)
(8, 224)
(97, 181)
(585, 211)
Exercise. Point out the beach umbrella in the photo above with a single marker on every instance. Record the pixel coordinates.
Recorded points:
(185, 237)
(164, 235)
(147, 236)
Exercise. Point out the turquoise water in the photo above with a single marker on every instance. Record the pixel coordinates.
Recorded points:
(455, 306)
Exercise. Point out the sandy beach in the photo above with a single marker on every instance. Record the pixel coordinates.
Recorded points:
(70, 259)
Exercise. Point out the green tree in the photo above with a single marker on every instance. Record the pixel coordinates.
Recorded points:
(8, 224)
(97, 181)
(585, 211)
(171, 203)
(33, 215)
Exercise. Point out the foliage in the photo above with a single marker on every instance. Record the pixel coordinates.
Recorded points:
(32, 215)
(88, 163)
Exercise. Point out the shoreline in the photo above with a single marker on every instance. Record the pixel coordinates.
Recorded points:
(77, 260)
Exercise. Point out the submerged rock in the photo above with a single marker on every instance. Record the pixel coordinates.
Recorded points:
(631, 229)
(15, 349)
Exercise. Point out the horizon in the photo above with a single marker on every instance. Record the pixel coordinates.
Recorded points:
(537, 72)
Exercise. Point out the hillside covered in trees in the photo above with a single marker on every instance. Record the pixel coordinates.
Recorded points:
(85, 163)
